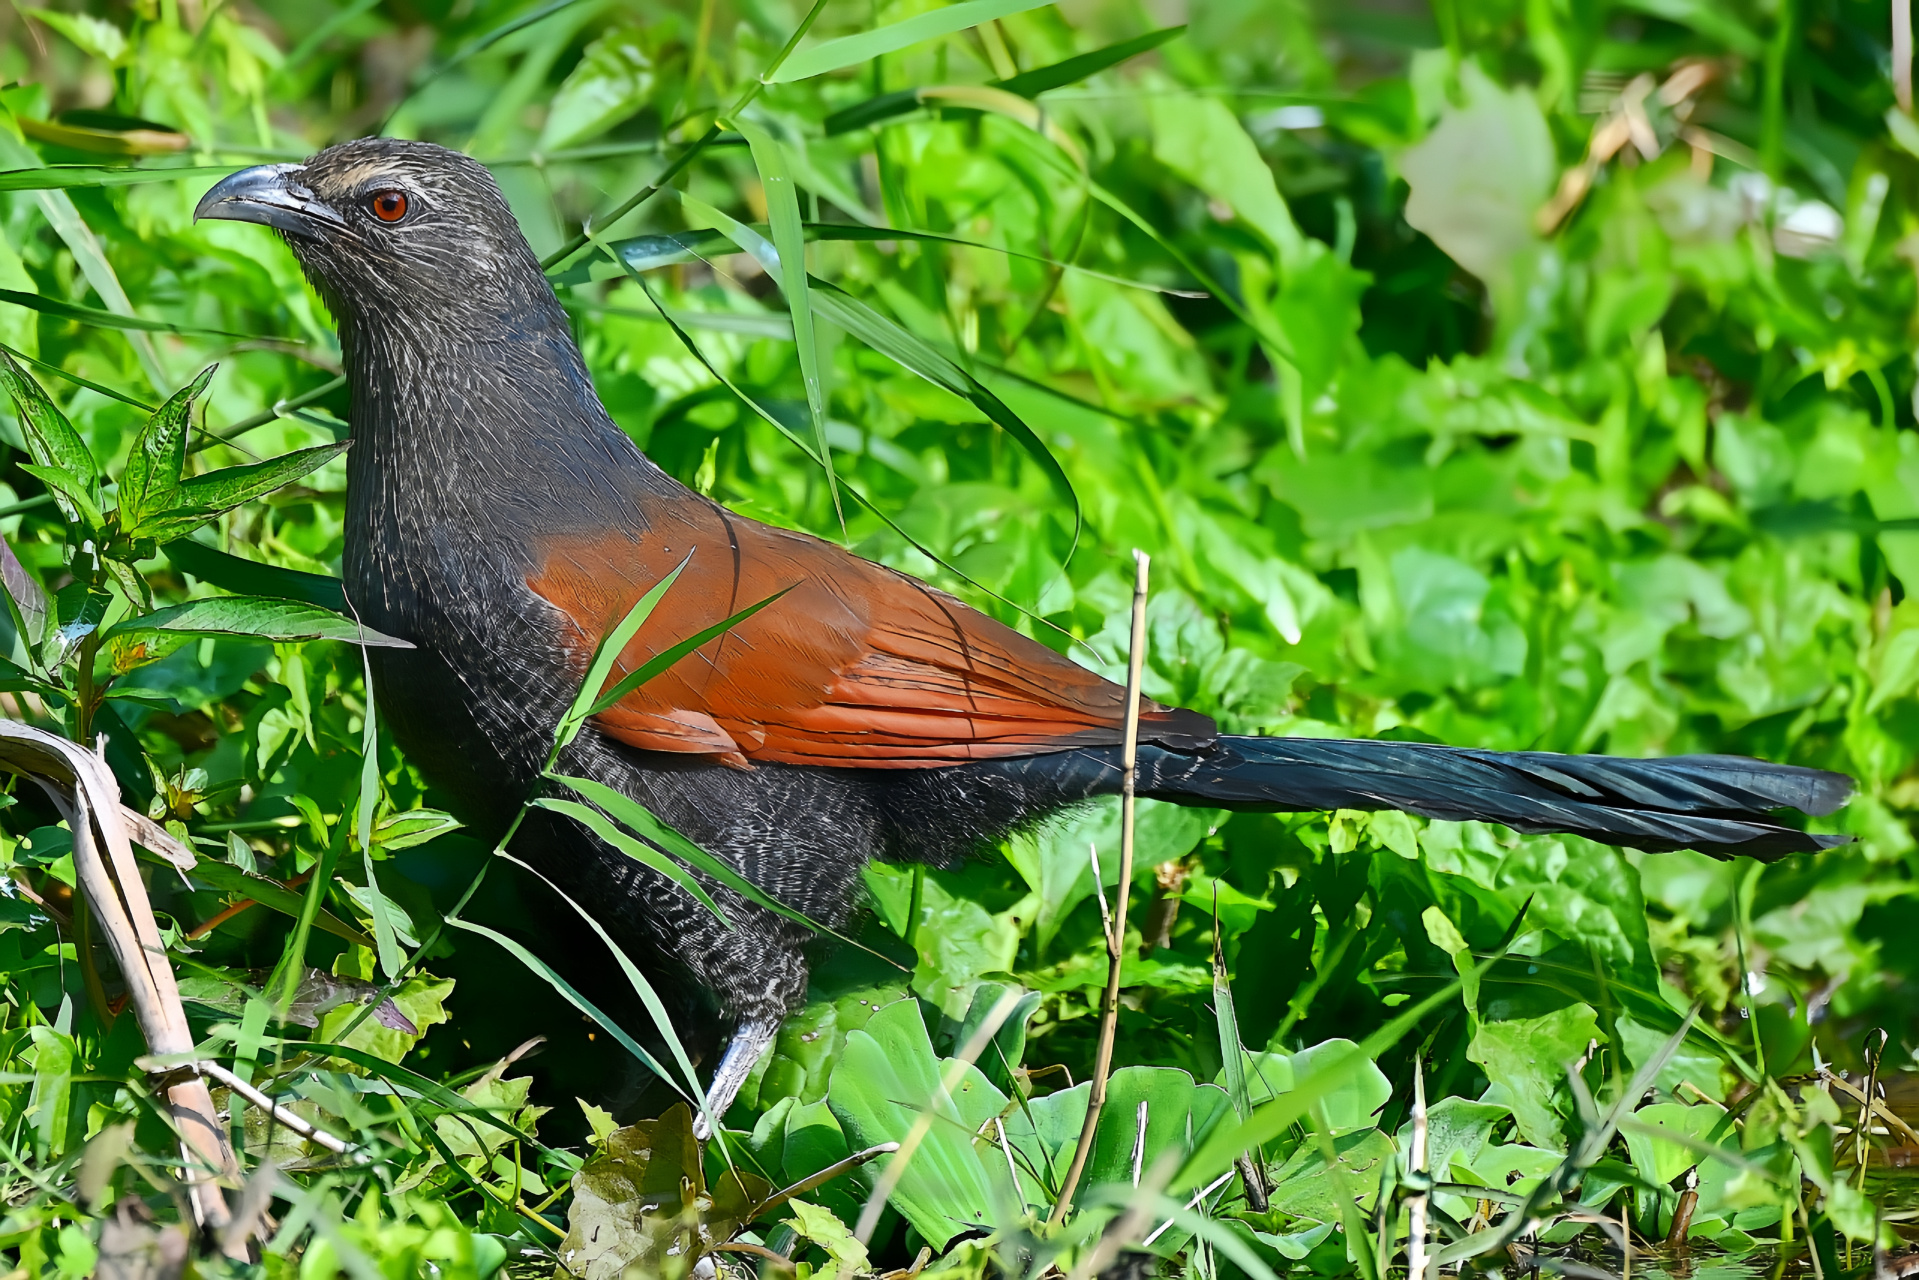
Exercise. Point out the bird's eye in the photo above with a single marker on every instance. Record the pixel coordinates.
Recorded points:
(389, 206)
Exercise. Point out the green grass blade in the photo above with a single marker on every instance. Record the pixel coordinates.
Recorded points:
(637, 818)
(387, 946)
(905, 349)
(77, 380)
(604, 656)
(105, 319)
(655, 1008)
(596, 822)
(849, 51)
(1030, 84)
(771, 419)
(71, 177)
(547, 974)
(662, 661)
(789, 241)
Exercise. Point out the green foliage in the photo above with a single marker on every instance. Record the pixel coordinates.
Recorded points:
(1515, 376)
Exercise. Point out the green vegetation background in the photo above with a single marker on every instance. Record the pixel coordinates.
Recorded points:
(1278, 296)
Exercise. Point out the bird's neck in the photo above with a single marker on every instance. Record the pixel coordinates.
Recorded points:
(470, 445)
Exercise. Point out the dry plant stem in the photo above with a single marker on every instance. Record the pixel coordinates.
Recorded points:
(1116, 934)
(103, 864)
(1902, 53)
(288, 1118)
(1416, 1205)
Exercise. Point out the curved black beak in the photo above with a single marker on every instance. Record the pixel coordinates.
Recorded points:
(272, 195)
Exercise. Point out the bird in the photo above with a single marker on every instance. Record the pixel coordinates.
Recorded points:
(503, 523)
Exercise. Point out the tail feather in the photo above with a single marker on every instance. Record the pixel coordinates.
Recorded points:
(1714, 804)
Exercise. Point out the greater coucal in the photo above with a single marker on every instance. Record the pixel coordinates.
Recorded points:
(500, 520)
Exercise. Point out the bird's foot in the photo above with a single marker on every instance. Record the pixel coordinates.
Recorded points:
(750, 1040)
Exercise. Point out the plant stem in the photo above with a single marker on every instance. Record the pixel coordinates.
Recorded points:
(1116, 936)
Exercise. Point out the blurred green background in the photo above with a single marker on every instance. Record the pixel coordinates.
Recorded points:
(1521, 375)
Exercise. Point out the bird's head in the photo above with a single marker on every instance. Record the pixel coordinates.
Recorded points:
(392, 232)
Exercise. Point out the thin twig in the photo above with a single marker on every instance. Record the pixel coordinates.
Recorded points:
(1116, 933)
(823, 1177)
(305, 1128)
(1198, 1195)
(1416, 1205)
(1902, 53)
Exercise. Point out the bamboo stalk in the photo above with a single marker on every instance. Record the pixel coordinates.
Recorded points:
(1116, 933)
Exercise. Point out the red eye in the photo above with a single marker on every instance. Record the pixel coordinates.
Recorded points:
(389, 206)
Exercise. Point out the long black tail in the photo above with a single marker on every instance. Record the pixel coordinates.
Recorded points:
(1714, 804)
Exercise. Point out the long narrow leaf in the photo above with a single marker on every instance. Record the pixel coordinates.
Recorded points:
(655, 1008)
(605, 654)
(104, 319)
(282, 620)
(766, 415)
(68, 177)
(547, 973)
(848, 51)
(789, 241)
(1030, 84)
(644, 854)
(903, 348)
(662, 661)
(228, 878)
(639, 820)
(386, 945)
(644, 253)
(253, 578)
(76, 379)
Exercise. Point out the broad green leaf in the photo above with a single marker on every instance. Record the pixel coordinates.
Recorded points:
(50, 438)
(1479, 177)
(95, 36)
(1198, 137)
(159, 455)
(279, 620)
(789, 242)
(77, 500)
(831, 55)
(421, 1000)
(887, 1078)
(1528, 1058)
(614, 79)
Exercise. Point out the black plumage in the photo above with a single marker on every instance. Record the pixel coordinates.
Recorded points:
(496, 513)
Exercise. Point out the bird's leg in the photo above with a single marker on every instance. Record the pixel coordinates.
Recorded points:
(750, 1040)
